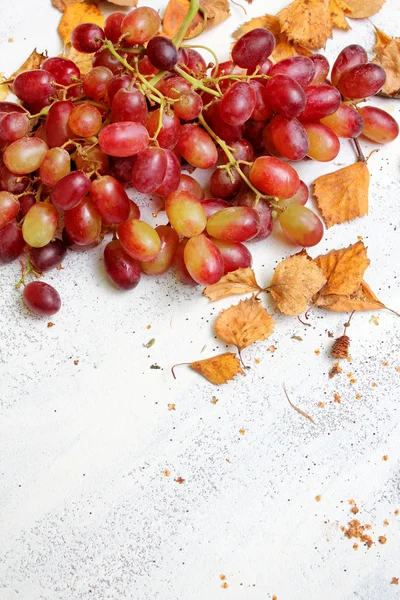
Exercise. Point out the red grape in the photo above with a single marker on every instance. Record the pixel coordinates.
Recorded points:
(228, 133)
(234, 224)
(70, 190)
(85, 120)
(123, 270)
(121, 168)
(253, 48)
(285, 95)
(185, 213)
(110, 199)
(169, 244)
(41, 298)
(300, 197)
(362, 81)
(139, 239)
(350, 56)
(195, 62)
(188, 105)
(170, 131)
(25, 155)
(321, 65)
(324, 143)
(322, 100)
(49, 256)
(299, 68)
(91, 158)
(262, 109)
(83, 223)
(346, 122)
(11, 243)
(87, 37)
(25, 203)
(224, 184)
(140, 25)
(379, 126)
(213, 205)
(118, 82)
(123, 139)
(57, 130)
(172, 176)
(56, 164)
(189, 184)
(63, 70)
(9, 208)
(197, 147)
(34, 85)
(234, 254)
(274, 177)
(9, 182)
(13, 126)
(129, 105)
(112, 26)
(180, 267)
(264, 212)
(162, 53)
(96, 82)
(203, 260)
(288, 137)
(301, 225)
(149, 169)
(238, 103)
(104, 58)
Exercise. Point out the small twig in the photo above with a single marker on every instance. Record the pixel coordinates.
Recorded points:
(296, 408)
(360, 153)
(302, 322)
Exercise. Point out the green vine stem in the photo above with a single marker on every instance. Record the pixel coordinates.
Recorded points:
(190, 15)
(196, 83)
(208, 50)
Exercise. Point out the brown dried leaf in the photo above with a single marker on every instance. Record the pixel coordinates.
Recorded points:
(266, 22)
(33, 61)
(388, 57)
(3, 89)
(343, 195)
(339, 10)
(244, 323)
(212, 13)
(61, 4)
(360, 9)
(129, 3)
(363, 299)
(75, 14)
(344, 269)
(295, 281)
(307, 22)
(241, 281)
(218, 369)
(82, 60)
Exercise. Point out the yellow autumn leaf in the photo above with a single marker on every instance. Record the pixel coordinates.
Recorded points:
(343, 269)
(388, 57)
(361, 9)
(33, 61)
(212, 12)
(241, 281)
(307, 22)
(339, 10)
(82, 60)
(362, 299)
(3, 88)
(218, 369)
(75, 14)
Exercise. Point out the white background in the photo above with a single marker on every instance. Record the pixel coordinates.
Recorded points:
(86, 512)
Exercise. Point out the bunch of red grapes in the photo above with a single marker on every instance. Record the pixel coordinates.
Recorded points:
(145, 111)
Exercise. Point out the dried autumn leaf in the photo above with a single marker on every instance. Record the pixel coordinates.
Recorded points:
(241, 281)
(82, 60)
(75, 14)
(307, 22)
(361, 9)
(33, 61)
(61, 4)
(212, 13)
(244, 323)
(339, 10)
(362, 299)
(218, 369)
(388, 57)
(3, 89)
(344, 269)
(294, 282)
(129, 3)
(343, 195)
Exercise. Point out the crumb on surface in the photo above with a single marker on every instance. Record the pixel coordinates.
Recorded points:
(353, 381)
(222, 577)
(242, 431)
(373, 384)
(148, 326)
(224, 585)
(382, 539)
(257, 361)
(337, 398)
(318, 498)
(356, 530)
(171, 406)
(76, 362)
(385, 523)
(179, 480)
(355, 510)
(358, 396)
(395, 581)
(166, 473)
(50, 324)
(271, 349)
(317, 352)
(385, 457)
(355, 546)
(214, 400)
(397, 512)
(385, 363)
(321, 404)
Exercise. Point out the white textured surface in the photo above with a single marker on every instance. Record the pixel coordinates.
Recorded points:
(86, 512)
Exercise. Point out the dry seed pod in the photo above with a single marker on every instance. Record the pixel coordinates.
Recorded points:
(340, 348)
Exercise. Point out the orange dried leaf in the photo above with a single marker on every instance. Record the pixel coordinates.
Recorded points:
(339, 10)
(244, 323)
(266, 22)
(82, 60)
(360, 9)
(62, 4)
(307, 22)
(343, 195)
(295, 281)
(362, 299)
(212, 13)
(344, 269)
(241, 281)
(33, 61)
(388, 57)
(129, 3)
(75, 14)
(218, 369)
(3, 89)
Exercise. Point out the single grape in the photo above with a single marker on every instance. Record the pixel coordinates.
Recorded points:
(322, 100)
(188, 105)
(112, 26)
(10, 182)
(195, 62)
(180, 268)
(91, 158)
(56, 164)
(34, 85)
(203, 260)
(110, 199)
(253, 48)
(149, 169)
(63, 70)
(224, 184)
(350, 56)
(197, 147)
(379, 126)
(162, 53)
(134, 210)
(213, 205)
(140, 25)
(139, 239)
(169, 244)
(117, 82)
(172, 176)
(288, 137)
(324, 143)
(40, 224)
(49, 256)
(301, 225)
(87, 37)
(274, 177)
(264, 212)
(85, 120)
(25, 155)
(172, 86)
(25, 203)
(189, 184)
(300, 197)
(123, 270)
(129, 105)
(321, 65)
(185, 214)
(71, 245)
(123, 139)
(13, 126)
(9, 208)
(228, 133)
(103, 58)
(238, 103)
(346, 122)
(83, 223)
(262, 109)
(57, 130)
(11, 243)
(234, 224)
(70, 190)
(241, 150)
(299, 68)
(96, 82)
(362, 81)
(145, 67)
(169, 133)
(41, 298)
(235, 255)
(285, 95)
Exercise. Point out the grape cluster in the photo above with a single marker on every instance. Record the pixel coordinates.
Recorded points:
(147, 109)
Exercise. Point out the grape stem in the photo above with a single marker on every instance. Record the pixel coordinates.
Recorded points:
(360, 153)
(26, 269)
(208, 50)
(234, 163)
(196, 83)
(190, 15)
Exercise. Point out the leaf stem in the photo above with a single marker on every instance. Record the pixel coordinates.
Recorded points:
(360, 153)
(196, 83)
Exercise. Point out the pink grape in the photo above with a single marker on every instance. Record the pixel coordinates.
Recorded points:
(189, 184)
(234, 224)
(285, 95)
(324, 143)
(197, 147)
(57, 130)
(213, 205)
(123, 139)
(34, 85)
(123, 270)
(346, 122)
(85, 120)
(203, 260)
(321, 65)
(112, 26)
(129, 105)
(169, 244)
(13, 126)
(379, 126)
(149, 169)
(83, 223)
(350, 56)
(140, 25)
(168, 136)
(299, 68)
(110, 199)
(322, 100)
(253, 48)
(362, 81)
(300, 197)
(288, 137)
(235, 255)
(41, 298)
(301, 225)
(9, 208)
(185, 214)
(63, 70)
(172, 176)
(25, 155)
(238, 103)
(139, 239)
(274, 177)
(56, 164)
(180, 267)
(264, 212)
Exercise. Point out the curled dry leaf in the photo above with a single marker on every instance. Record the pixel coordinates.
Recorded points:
(361, 9)
(339, 10)
(218, 369)
(388, 57)
(82, 60)
(343, 194)
(244, 323)
(362, 299)
(307, 22)
(33, 61)
(62, 4)
(344, 269)
(241, 281)
(212, 13)
(295, 281)
(75, 14)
